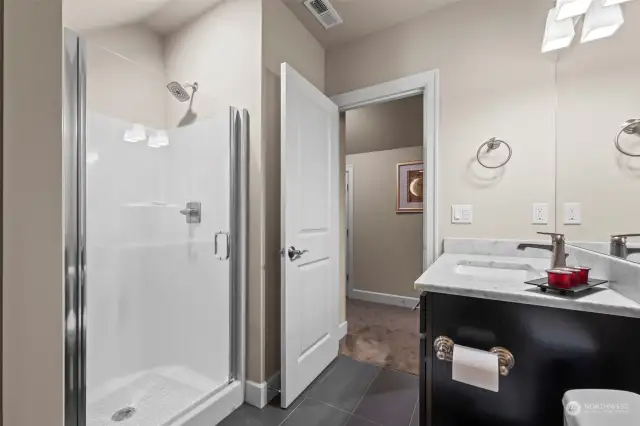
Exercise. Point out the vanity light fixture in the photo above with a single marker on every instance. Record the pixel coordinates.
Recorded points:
(608, 3)
(601, 21)
(572, 8)
(558, 34)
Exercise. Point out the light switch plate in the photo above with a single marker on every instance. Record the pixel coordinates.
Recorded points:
(540, 214)
(572, 214)
(461, 214)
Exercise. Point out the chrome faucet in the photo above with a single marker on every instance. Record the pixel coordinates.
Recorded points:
(557, 249)
(619, 246)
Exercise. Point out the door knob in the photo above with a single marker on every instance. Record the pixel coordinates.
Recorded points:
(295, 254)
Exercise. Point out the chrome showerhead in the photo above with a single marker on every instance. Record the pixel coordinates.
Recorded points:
(179, 92)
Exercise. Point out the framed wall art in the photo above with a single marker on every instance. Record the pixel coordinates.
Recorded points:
(410, 188)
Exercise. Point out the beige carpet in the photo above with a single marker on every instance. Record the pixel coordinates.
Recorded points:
(383, 335)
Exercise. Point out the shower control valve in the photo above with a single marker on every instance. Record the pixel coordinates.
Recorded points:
(193, 212)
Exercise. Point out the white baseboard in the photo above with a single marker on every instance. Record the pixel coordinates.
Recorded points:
(259, 394)
(342, 330)
(253, 394)
(386, 299)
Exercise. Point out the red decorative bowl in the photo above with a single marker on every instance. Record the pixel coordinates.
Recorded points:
(560, 278)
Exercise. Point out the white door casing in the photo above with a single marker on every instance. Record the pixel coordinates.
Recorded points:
(349, 188)
(425, 83)
(310, 223)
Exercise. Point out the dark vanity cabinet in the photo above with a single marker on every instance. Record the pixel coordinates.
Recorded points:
(555, 350)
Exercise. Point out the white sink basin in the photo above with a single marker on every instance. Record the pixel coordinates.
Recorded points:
(499, 271)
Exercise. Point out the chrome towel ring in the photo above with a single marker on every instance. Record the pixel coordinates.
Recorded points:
(630, 127)
(492, 144)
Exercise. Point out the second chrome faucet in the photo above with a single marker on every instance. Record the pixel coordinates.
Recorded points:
(618, 246)
(557, 249)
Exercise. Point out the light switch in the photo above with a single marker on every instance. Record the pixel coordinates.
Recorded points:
(461, 214)
(572, 214)
(540, 214)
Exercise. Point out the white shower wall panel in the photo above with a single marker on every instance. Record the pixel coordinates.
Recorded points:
(157, 297)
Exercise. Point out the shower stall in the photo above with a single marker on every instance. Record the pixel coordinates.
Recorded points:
(155, 228)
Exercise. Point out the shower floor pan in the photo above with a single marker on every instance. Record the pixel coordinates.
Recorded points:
(152, 399)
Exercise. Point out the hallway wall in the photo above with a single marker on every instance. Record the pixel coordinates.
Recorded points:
(387, 246)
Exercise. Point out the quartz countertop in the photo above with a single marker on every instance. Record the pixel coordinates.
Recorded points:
(442, 277)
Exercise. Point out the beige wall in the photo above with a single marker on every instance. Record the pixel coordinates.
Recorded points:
(135, 42)
(390, 125)
(493, 82)
(32, 276)
(271, 117)
(387, 252)
(598, 89)
(284, 40)
(126, 74)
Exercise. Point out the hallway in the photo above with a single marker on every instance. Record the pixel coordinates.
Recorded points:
(384, 335)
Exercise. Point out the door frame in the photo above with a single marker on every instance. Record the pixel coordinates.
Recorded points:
(349, 222)
(426, 84)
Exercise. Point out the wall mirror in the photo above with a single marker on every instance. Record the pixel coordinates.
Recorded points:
(598, 138)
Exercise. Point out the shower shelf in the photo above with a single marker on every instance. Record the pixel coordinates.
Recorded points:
(151, 204)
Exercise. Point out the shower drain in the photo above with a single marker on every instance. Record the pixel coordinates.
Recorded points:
(123, 414)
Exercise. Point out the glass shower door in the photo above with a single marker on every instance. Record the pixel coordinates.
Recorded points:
(159, 263)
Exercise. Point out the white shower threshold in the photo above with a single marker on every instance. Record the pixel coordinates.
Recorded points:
(164, 396)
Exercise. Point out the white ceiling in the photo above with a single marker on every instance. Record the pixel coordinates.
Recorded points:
(363, 17)
(163, 16)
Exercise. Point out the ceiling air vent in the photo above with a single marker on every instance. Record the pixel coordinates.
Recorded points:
(324, 12)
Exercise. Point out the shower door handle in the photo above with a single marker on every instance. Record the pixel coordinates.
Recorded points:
(226, 246)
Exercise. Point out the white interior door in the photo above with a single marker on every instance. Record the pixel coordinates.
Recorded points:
(310, 233)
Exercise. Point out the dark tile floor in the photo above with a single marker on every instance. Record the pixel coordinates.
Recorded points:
(347, 393)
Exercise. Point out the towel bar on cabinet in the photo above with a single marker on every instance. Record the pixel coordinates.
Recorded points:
(444, 352)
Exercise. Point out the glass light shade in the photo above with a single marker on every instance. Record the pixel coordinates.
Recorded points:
(159, 139)
(601, 21)
(557, 34)
(572, 8)
(137, 133)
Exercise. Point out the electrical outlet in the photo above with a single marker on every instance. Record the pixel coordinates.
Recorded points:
(572, 214)
(462, 214)
(540, 214)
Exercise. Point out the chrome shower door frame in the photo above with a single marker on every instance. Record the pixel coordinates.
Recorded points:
(218, 404)
(73, 99)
